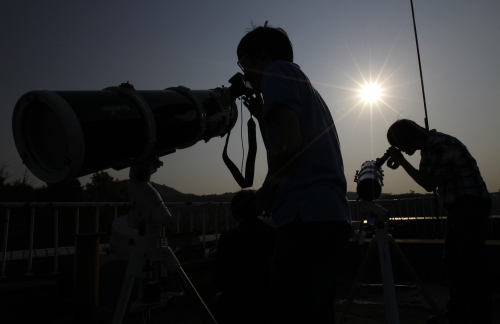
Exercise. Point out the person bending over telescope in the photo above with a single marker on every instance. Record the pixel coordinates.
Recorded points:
(447, 164)
(243, 260)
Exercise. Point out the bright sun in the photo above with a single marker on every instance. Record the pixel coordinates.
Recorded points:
(370, 92)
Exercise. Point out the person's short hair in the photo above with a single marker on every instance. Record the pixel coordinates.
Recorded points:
(274, 39)
(405, 132)
(244, 205)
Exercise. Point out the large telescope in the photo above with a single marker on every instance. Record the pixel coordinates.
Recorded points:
(62, 135)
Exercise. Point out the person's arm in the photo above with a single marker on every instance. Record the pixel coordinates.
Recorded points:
(427, 182)
(283, 154)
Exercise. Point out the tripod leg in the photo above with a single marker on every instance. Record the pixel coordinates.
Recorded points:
(421, 288)
(174, 267)
(128, 284)
(134, 268)
(355, 286)
(391, 305)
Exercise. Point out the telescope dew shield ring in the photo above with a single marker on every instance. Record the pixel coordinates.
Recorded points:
(42, 117)
(148, 116)
(201, 111)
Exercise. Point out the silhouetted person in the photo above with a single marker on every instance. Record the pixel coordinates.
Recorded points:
(243, 258)
(305, 187)
(447, 164)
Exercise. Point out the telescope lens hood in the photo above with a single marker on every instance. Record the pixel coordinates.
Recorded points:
(48, 136)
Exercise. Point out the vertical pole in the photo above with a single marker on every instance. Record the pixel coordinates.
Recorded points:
(425, 221)
(77, 221)
(391, 307)
(96, 220)
(178, 220)
(30, 251)
(216, 227)
(433, 223)
(416, 216)
(191, 220)
(56, 240)
(426, 119)
(408, 217)
(227, 218)
(400, 212)
(115, 215)
(203, 228)
(5, 234)
(77, 225)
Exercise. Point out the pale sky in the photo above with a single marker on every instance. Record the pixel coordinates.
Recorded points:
(91, 45)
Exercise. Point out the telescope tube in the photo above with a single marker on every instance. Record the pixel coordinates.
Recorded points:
(62, 135)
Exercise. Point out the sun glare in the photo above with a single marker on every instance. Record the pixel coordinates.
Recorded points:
(370, 92)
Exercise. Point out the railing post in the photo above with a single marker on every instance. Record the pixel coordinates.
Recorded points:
(5, 234)
(415, 213)
(56, 240)
(96, 220)
(115, 214)
(400, 212)
(203, 227)
(216, 227)
(227, 218)
(191, 220)
(423, 214)
(77, 221)
(178, 220)
(408, 217)
(433, 221)
(32, 233)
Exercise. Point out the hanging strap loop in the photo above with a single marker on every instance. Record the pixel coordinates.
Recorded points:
(250, 165)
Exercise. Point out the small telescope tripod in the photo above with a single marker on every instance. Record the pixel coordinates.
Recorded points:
(383, 239)
(148, 214)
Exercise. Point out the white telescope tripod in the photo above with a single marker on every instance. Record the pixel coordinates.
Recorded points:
(383, 239)
(147, 215)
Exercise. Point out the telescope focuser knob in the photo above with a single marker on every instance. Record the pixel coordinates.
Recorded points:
(127, 85)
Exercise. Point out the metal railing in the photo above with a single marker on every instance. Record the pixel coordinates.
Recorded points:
(56, 250)
(415, 215)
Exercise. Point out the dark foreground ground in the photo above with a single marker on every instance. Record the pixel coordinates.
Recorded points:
(47, 298)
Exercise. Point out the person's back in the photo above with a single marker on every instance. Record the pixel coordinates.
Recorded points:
(318, 172)
(242, 274)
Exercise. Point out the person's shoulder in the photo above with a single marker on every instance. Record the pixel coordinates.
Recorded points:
(442, 139)
(278, 68)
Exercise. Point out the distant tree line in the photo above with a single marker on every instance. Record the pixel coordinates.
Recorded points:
(102, 187)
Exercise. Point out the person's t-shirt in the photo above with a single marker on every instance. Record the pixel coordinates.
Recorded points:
(316, 187)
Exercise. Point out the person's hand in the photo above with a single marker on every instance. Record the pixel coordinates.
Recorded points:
(255, 105)
(265, 198)
(396, 158)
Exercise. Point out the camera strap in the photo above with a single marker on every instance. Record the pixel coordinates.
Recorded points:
(250, 165)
